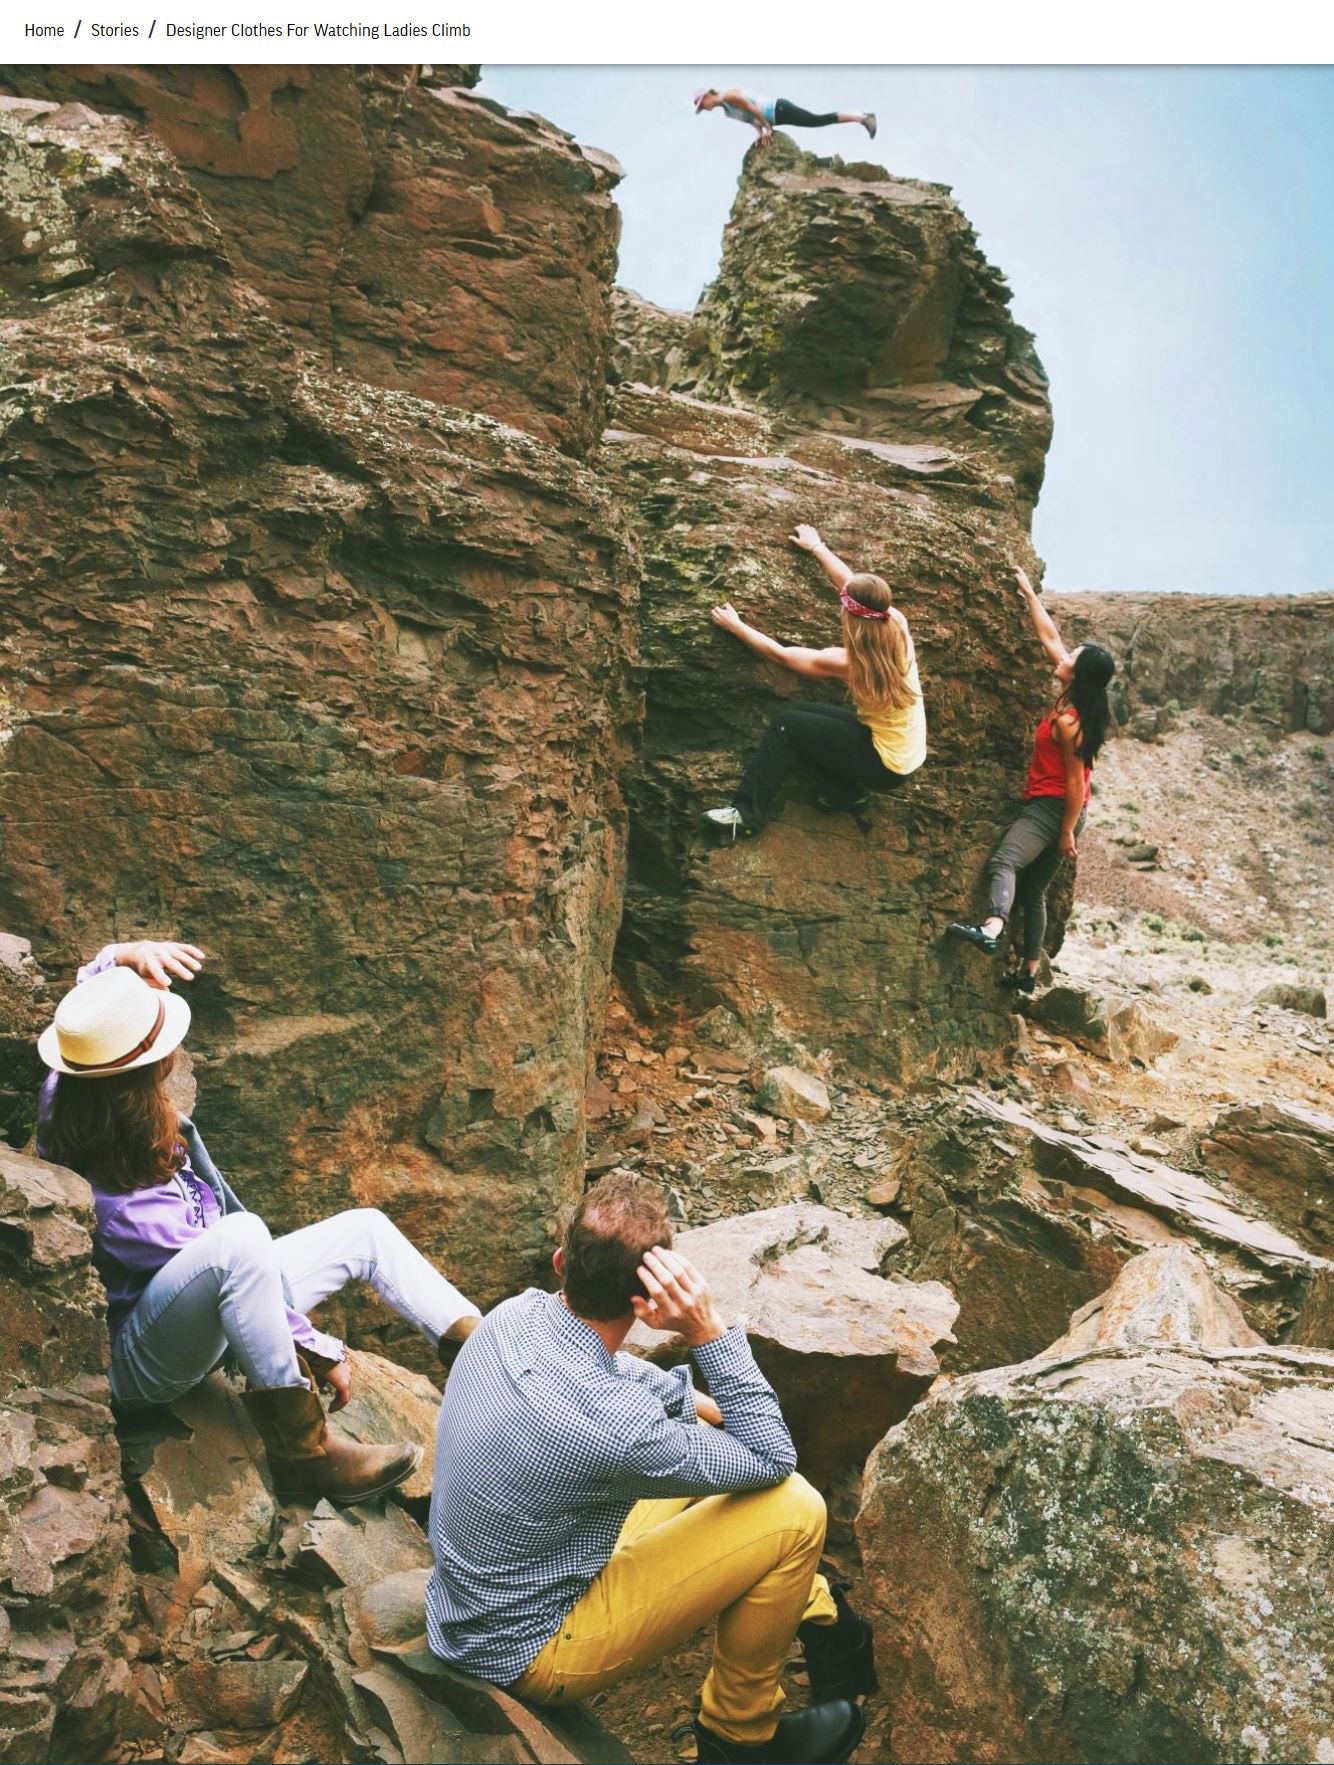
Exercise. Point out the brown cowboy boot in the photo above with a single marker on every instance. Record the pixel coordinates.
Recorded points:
(447, 1349)
(308, 1460)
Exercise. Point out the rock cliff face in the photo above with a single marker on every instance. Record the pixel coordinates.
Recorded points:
(1270, 658)
(299, 650)
(297, 665)
(855, 365)
(423, 239)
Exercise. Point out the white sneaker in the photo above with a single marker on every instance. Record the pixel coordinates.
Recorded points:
(728, 817)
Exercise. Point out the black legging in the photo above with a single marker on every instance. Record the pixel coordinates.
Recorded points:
(832, 740)
(795, 117)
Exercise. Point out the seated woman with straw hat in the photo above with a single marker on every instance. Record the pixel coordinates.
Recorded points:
(189, 1272)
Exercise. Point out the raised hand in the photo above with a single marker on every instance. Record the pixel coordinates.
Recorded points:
(726, 616)
(678, 1298)
(806, 538)
(1026, 588)
(157, 960)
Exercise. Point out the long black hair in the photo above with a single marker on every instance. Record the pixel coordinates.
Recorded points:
(1087, 697)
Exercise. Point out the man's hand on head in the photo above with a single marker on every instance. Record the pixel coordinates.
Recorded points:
(678, 1298)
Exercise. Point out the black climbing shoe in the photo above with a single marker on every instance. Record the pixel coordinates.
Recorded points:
(840, 1657)
(729, 819)
(973, 934)
(826, 1734)
(869, 124)
(1021, 981)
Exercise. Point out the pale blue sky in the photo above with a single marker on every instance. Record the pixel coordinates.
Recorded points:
(1169, 236)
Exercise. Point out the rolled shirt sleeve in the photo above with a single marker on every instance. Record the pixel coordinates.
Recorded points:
(305, 1335)
(752, 1450)
(105, 958)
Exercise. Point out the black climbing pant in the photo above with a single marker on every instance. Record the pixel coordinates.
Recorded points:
(797, 118)
(1023, 865)
(830, 739)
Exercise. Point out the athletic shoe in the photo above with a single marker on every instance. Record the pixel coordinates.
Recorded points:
(869, 124)
(973, 934)
(728, 818)
(1021, 981)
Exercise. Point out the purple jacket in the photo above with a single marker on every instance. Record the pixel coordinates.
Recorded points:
(139, 1231)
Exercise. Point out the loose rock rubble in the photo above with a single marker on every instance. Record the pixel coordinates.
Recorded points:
(847, 1351)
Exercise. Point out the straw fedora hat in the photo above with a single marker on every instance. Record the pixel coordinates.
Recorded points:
(113, 1023)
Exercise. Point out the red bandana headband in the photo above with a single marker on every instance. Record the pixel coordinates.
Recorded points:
(857, 610)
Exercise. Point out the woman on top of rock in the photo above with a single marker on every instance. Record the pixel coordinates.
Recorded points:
(189, 1273)
(1055, 797)
(777, 113)
(872, 744)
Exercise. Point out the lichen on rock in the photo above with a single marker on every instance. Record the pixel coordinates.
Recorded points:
(1115, 1552)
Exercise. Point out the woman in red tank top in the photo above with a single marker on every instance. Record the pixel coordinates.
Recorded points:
(1056, 794)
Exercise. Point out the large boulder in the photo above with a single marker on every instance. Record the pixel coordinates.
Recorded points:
(66, 1583)
(1117, 1550)
(855, 365)
(1305, 998)
(847, 1351)
(1026, 1222)
(421, 237)
(1118, 1027)
(1282, 1155)
(301, 656)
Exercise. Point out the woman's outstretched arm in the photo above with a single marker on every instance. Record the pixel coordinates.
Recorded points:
(1043, 623)
(829, 664)
(807, 539)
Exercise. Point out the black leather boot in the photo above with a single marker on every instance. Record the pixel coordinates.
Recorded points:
(840, 1657)
(826, 1734)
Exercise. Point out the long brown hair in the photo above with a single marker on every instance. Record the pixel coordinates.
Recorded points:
(120, 1132)
(879, 650)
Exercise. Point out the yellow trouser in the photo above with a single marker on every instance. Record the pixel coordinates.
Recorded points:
(747, 1560)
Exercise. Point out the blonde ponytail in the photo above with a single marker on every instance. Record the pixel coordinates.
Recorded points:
(879, 651)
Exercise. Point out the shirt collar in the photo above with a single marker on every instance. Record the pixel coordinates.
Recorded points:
(574, 1334)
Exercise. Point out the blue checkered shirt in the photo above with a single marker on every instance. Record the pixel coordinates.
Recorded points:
(545, 1443)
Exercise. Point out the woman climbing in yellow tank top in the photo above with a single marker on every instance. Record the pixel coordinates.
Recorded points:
(872, 744)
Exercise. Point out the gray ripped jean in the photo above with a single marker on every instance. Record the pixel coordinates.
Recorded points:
(1024, 864)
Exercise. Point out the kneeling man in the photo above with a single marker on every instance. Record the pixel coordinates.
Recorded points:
(584, 1524)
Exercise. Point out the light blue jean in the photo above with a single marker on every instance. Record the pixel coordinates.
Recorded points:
(225, 1290)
